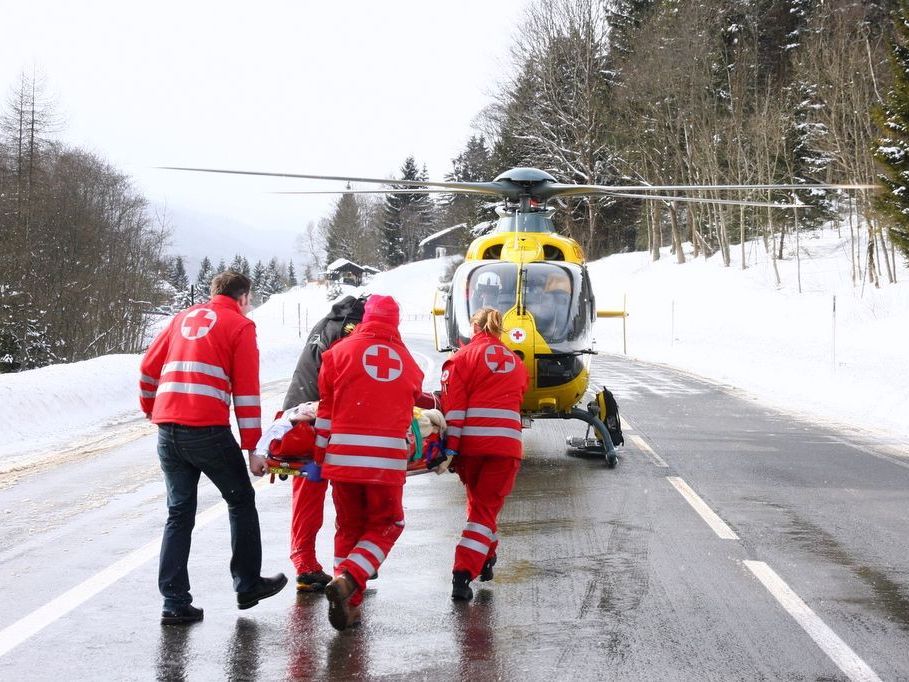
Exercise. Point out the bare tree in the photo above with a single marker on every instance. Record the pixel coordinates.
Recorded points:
(847, 61)
(310, 245)
(557, 105)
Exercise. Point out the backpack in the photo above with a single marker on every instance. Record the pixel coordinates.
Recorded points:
(348, 311)
(338, 323)
(608, 410)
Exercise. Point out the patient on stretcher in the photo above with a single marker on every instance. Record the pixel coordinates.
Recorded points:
(288, 443)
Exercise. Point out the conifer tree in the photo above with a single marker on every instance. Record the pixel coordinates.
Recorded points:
(258, 282)
(344, 229)
(474, 164)
(241, 265)
(892, 149)
(179, 281)
(291, 275)
(204, 278)
(177, 275)
(273, 278)
(408, 218)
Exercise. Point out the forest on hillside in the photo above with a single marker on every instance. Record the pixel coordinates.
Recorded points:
(80, 252)
(681, 92)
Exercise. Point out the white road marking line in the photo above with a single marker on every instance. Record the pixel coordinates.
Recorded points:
(624, 424)
(641, 444)
(30, 625)
(715, 522)
(831, 644)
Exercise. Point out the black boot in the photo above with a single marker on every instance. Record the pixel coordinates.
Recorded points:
(179, 615)
(265, 588)
(460, 586)
(314, 581)
(486, 574)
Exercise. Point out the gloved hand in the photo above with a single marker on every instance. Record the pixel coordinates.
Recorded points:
(313, 472)
(445, 463)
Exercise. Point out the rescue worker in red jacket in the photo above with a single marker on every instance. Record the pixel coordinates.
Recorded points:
(308, 492)
(483, 385)
(368, 384)
(188, 374)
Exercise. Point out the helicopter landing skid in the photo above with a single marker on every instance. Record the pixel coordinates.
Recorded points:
(587, 444)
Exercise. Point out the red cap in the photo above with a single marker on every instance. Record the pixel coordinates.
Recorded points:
(381, 309)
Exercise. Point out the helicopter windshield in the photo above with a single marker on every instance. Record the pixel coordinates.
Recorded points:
(493, 286)
(557, 294)
(559, 298)
(488, 284)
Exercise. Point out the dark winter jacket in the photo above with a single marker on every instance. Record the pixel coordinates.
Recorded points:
(340, 321)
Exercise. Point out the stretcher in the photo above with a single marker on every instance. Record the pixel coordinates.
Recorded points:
(288, 444)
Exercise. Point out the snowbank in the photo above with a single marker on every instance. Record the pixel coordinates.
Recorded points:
(785, 347)
(47, 407)
(726, 324)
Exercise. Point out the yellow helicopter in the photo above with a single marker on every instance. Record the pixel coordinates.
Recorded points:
(538, 280)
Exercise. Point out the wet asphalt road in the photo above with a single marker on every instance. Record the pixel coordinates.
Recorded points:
(603, 574)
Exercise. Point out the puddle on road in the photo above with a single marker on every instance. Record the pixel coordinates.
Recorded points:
(509, 528)
(519, 571)
(888, 595)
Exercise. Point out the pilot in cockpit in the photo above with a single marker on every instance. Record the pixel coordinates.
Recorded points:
(548, 296)
(486, 292)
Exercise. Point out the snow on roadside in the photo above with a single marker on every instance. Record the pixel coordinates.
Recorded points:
(736, 327)
(54, 407)
(728, 325)
(50, 406)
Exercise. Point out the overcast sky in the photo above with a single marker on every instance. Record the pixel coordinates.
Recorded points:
(336, 88)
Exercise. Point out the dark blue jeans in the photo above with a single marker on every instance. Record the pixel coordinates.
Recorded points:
(185, 453)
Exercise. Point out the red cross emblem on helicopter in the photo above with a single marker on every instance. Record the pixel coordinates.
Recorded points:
(198, 323)
(382, 363)
(517, 335)
(498, 359)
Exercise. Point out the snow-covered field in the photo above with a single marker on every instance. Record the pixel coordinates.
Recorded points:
(786, 348)
(732, 326)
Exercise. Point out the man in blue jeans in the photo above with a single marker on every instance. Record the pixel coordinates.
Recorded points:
(205, 356)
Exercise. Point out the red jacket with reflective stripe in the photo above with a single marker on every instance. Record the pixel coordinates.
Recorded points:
(483, 385)
(368, 384)
(204, 355)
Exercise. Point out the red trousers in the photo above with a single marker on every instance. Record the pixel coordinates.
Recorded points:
(306, 506)
(488, 480)
(369, 519)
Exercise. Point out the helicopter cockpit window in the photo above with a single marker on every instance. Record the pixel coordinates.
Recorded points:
(555, 295)
(491, 285)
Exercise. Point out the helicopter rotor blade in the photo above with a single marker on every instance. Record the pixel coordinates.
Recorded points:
(704, 200)
(493, 188)
(565, 190)
(415, 190)
(539, 186)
